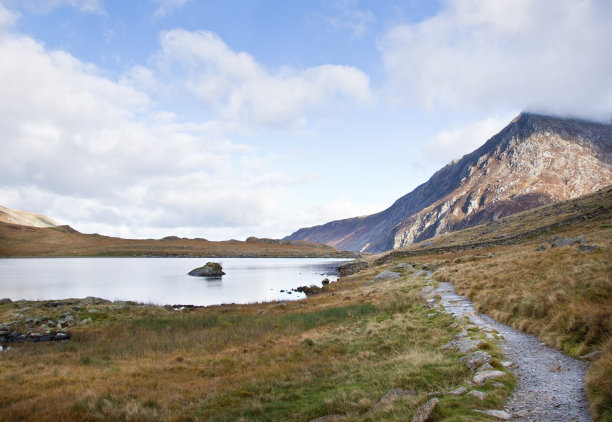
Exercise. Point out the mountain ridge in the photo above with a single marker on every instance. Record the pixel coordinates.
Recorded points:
(530, 143)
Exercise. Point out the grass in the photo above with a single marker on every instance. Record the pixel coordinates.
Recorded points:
(337, 352)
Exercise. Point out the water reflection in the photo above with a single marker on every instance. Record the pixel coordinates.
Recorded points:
(161, 280)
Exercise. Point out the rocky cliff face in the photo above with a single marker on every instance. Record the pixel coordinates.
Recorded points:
(535, 160)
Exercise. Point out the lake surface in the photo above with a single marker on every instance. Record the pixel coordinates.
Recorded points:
(162, 281)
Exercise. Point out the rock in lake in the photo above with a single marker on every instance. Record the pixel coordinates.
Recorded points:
(211, 269)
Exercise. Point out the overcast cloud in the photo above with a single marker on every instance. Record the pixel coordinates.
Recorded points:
(550, 56)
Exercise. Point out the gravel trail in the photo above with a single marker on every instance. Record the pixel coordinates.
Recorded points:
(550, 384)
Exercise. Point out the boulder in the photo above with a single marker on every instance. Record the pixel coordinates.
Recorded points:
(384, 276)
(211, 269)
(90, 300)
(482, 377)
(424, 412)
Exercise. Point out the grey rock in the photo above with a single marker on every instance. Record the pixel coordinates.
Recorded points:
(464, 345)
(384, 276)
(498, 414)
(458, 391)
(460, 335)
(587, 248)
(90, 300)
(485, 367)
(483, 376)
(479, 394)
(559, 242)
(424, 412)
(85, 321)
(211, 269)
(476, 359)
(541, 248)
(403, 265)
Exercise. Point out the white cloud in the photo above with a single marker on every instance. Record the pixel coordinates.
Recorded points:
(548, 56)
(247, 93)
(96, 153)
(349, 17)
(164, 7)
(7, 18)
(452, 144)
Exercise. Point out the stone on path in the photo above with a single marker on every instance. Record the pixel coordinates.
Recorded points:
(424, 412)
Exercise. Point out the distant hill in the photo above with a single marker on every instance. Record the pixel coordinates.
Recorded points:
(25, 218)
(534, 161)
(20, 240)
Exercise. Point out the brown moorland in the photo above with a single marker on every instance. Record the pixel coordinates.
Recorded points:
(21, 241)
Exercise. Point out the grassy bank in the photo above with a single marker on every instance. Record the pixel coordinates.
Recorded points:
(338, 352)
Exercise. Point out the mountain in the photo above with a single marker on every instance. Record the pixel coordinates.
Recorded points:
(535, 160)
(25, 218)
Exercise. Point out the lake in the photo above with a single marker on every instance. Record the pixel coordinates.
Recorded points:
(162, 281)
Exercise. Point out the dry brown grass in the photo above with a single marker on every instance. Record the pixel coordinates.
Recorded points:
(337, 352)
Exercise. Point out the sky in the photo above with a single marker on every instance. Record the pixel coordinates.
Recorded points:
(234, 118)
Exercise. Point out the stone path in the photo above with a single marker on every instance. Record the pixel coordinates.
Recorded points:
(549, 384)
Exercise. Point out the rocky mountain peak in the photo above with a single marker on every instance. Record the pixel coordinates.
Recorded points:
(533, 161)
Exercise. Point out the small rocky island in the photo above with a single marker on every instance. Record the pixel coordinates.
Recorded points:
(211, 269)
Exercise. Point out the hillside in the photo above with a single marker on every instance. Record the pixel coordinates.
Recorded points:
(19, 240)
(25, 218)
(535, 160)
